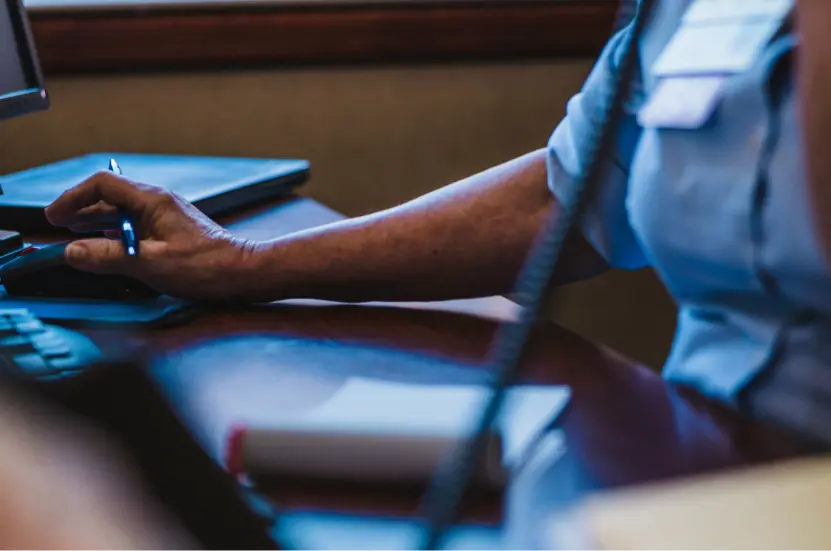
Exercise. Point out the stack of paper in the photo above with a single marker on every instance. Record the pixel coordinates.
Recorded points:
(373, 430)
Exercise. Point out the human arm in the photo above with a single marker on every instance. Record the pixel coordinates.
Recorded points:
(467, 239)
(814, 89)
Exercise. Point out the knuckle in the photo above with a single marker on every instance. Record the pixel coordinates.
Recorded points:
(100, 177)
(148, 188)
(163, 197)
(100, 182)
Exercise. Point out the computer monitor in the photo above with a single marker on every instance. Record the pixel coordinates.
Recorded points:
(21, 82)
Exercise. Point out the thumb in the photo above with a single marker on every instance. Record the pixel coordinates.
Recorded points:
(100, 256)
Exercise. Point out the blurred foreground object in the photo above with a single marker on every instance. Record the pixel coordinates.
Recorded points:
(132, 412)
(63, 487)
(784, 506)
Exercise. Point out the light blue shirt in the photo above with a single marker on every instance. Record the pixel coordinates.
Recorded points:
(721, 213)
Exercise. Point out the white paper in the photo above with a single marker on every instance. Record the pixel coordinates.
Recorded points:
(306, 384)
(374, 408)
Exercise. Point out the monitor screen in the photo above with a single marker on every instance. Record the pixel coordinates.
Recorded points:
(12, 77)
(21, 85)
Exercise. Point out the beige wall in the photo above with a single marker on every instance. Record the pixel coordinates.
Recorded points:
(375, 137)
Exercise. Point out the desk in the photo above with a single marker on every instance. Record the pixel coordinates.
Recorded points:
(623, 426)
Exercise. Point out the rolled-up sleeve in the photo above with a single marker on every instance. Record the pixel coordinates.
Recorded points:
(605, 223)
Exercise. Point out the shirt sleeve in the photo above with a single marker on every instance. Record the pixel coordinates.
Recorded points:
(605, 222)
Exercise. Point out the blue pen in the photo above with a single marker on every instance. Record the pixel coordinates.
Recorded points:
(128, 232)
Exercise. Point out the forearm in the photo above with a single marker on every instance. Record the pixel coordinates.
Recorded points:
(814, 87)
(465, 240)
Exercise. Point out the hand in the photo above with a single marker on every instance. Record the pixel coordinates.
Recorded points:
(182, 251)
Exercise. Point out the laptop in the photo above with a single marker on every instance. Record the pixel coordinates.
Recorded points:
(215, 185)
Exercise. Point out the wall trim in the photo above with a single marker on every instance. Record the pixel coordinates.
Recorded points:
(206, 36)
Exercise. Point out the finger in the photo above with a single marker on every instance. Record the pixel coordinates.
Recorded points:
(92, 219)
(112, 234)
(100, 256)
(103, 186)
(99, 211)
(95, 218)
(92, 228)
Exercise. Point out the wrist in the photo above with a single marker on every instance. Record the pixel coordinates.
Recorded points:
(253, 280)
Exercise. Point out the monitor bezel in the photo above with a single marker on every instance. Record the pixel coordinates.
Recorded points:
(31, 99)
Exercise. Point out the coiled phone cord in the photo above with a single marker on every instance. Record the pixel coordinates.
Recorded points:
(442, 499)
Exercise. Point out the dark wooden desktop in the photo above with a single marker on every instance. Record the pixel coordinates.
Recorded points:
(624, 424)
